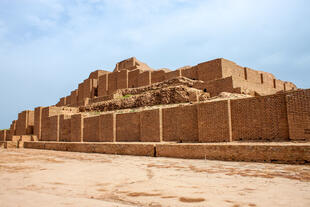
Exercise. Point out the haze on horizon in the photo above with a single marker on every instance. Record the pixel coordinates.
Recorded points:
(47, 47)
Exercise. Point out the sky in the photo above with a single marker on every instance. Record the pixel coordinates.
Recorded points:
(47, 47)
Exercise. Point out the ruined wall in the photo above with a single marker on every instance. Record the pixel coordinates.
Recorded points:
(298, 109)
(25, 122)
(144, 78)
(103, 85)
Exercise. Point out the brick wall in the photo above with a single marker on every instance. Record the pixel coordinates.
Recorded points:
(3, 135)
(53, 129)
(122, 79)
(77, 128)
(172, 74)
(210, 70)
(144, 78)
(91, 129)
(107, 127)
(157, 76)
(74, 97)
(37, 121)
(260, 118)
(133, 78)
(103, 85)
(65, 128)
(180, 124)
(298, 109)
(128, 127)
(190, 73)
(112, 82)
(214, 121)
(230, 68)
(151, 126)
(80, 93)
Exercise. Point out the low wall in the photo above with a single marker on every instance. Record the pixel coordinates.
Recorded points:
(290, 153)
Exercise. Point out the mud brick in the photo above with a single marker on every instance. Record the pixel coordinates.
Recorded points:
(190, 73)
(298, 109)
(112, 82)
(128, 127)
(157, 76)
(209, 70)
(38, 121)
(107, 127)
(77, 125)
(180, 124)
(214, 121)
(172, 74)
(133, 78)
(103, 85)
(144, 79)
(3, 135)
(151, 126)
(122, 79)
(91, 129)
(65, 128)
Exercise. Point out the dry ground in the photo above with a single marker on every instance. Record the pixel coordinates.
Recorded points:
(49, 178)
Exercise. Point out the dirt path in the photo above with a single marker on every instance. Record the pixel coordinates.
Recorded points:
(48, 178)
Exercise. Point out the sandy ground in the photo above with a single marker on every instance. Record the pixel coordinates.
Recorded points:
(49, 178)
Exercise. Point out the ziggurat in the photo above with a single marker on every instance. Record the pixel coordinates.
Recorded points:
(213, 110)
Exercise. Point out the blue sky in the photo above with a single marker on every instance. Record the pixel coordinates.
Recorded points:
(48, 46)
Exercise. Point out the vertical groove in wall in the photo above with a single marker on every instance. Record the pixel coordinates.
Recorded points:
(229, 120)
(160, 125)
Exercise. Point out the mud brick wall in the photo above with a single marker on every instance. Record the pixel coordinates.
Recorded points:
(68, 100)
(172, 74)
(252, 75)
(217, 86)
(77, 125)
(151, 125)
(210, 70)
(261, 118)
(180, 124)
(3, 135)
(133, 78)
(144, 79)
(38, 121)
(65, 128)
(103, 85)
(91, 129)
(122, 79)
(230, 68)
(53, 129)
(45, 121)
(190, 73)
(74, 97)
(80, 93)
(87, 88)
(267, 79)
(97, 74)
(279, 84)
(21, 123)
(107, 127)
(112, 83)
(289, 86)
(157, 76)
(298, 109)
(128, 127)
(12, 131)
(214, 121)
